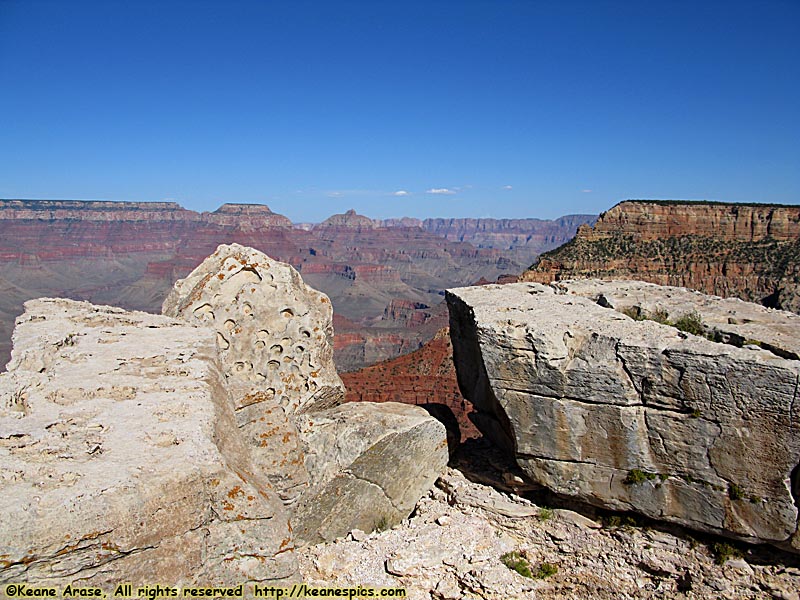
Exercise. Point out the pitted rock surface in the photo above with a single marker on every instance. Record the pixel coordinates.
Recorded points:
(635, 415)
(275, 339)
(120, 458)
(275, 333)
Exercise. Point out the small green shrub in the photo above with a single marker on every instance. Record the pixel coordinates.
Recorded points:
(637, 476)
(690, 322)
(382, 524)
(545, 514)
(695, 413)
(545, 570)
(634, 312)
(659, 315)
(517, 561)
(723, 552)
(615, 521)
(735, 492)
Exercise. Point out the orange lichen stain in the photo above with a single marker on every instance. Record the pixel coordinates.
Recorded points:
(227, 505)
(251, 498)
(289, 525)
(236, 491)
(240, 517)
(214, 482)
(285, 542)
(286, 437)
(221, 276)
(323, 300)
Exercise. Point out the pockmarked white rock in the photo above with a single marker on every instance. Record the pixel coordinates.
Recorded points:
(638, 415)
(275, 339)
(120, 458)
(274, 332)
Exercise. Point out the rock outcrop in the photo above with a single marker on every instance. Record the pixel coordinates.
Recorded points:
(135, 447)
(121, 460)
(636, 415)
(749, 251)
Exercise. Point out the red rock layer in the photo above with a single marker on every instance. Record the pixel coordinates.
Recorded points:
(423, 377)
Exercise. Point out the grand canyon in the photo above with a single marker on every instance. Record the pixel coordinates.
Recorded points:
(403, 402)
(386, 279)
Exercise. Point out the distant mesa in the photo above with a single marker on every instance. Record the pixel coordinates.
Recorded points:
(350, 220)
(242, 215)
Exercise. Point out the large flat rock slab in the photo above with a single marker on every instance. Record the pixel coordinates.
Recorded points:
(121, 460)
(635, 415)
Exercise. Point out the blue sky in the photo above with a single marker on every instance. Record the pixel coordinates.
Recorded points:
(468, 109)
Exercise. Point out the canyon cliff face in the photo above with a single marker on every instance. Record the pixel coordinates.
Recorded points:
(425, 377)
(521, 239)
(749, 251)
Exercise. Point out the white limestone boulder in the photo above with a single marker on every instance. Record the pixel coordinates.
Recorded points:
(636, 415)
(120, 458)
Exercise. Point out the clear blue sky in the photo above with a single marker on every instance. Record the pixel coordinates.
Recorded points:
(464, 108)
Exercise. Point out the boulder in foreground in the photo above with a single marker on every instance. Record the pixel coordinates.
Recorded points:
(121, 460)
(636, 415)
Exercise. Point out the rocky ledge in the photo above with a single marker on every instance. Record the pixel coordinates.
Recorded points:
(202, 450)
(630, 414)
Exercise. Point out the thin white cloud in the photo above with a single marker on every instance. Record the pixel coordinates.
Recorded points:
(446, 191)
(586, 191)
(335, 194)
(508, 187)
(401, 193)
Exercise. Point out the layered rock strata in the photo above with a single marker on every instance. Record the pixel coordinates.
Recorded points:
(636, 415)
(121, 460)
(749, 251)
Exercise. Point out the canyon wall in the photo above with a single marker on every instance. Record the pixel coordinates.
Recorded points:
(750, 251)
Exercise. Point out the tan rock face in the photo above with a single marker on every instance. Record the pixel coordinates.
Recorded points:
(120, 458)
(274, 333)
(636, 415)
